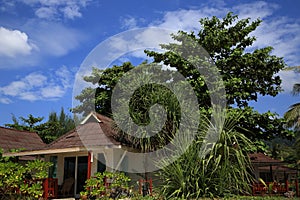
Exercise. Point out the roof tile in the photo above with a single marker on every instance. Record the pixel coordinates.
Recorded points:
(16, 139)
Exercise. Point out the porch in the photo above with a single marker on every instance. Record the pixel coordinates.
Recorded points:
(273, 177)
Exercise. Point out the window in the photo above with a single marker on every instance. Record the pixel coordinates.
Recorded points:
(266, 176)
(53, 168)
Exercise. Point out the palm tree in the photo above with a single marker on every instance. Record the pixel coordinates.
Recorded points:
(292, 116)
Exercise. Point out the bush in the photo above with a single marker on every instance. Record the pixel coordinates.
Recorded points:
(224, 170)
(118, 185)
(22, 180)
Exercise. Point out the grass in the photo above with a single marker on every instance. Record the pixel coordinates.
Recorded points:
(233, 198)
(260, 198)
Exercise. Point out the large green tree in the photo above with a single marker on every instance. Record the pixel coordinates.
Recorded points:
(105, 80)
(247, 74)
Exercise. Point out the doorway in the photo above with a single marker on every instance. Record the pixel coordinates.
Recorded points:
(82, 167)
(69, 176)
(75, 169)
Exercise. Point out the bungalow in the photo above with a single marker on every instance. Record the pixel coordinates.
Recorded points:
(80, 153)
(275, 173)
(270, 169)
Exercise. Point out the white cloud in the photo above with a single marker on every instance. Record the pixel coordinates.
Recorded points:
(5, 100)
(46, 12)
(14, 43)
(65, 76)
(132, 43)
(129, 22)
(47, 39)
(71, 11)
(289, 78)
(56, 9)
(53, 38)
(36, 86)
(187, 20)
(14, 88)
(35, 80)
(254, 10)
(29, 96)
(282, 33)
(7, 6)
(53, 91)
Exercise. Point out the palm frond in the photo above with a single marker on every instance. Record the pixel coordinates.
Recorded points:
(292, 116)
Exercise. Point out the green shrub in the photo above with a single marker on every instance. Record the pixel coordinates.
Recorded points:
(95, 186)
(13, 178)
(224, 170)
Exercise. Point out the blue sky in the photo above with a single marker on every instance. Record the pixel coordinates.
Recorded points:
(43, 43)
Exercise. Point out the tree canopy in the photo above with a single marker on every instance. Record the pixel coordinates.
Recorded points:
(55, 126)
(106, 81)
(247, 74)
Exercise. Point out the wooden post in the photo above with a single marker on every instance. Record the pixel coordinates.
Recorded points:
(45, 186)
(286, 185)
(89, 169)
(150, 186)
(271, 172)
(140, 185)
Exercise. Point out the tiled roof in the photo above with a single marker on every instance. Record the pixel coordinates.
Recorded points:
(15, 139)
(262, 158)
(278, 169)
(90, 134)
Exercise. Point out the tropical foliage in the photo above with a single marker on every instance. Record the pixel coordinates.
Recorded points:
(293, 114)
(57, 125)
(223, 170)
(95, 186)
(292, 117)
(106, 81)
(22, 180)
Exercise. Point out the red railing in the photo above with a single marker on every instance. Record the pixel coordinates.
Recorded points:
(275, 188)
(50, 187)
(145, 186)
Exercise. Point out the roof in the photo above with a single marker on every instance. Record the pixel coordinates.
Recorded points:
(260, 158)
(278, 169)
(16, 139)
(96, 131)
(90, 134)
